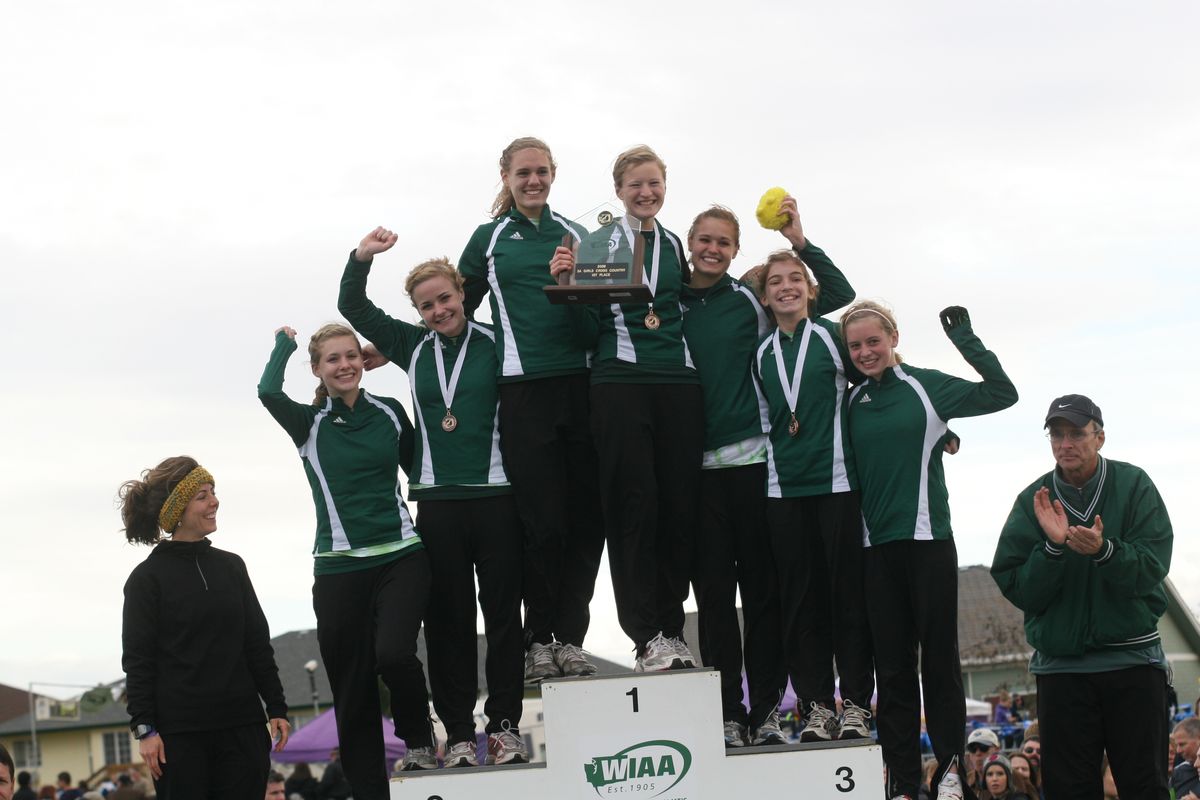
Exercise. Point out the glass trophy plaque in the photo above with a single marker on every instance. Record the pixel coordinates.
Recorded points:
(608, 263)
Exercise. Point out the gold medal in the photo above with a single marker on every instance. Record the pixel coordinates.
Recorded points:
(794, 426)
(449, 422)
(652, 321)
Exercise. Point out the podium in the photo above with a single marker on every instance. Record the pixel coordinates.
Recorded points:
(653, 735)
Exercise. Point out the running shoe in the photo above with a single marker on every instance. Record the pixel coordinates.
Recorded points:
(854, 722)
(540, 663)
(682, 654)
(419, 758)
(950, 786)
(658, 655)
(507, 747)
(571, 661)
(461, 754)
(769, 731)
(822, 724)
(735, 734)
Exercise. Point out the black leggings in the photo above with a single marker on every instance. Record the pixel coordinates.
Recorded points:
(367, 625)
(549, 458)
(464, 538)
(649, 438)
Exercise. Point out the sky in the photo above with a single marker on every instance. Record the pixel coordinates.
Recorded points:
(180, 179)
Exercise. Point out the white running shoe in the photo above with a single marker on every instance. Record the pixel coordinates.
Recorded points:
(659, 655)
(854, 722)
(821, 726)
(461, 754)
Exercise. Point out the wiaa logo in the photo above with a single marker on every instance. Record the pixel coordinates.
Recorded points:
(643, 767)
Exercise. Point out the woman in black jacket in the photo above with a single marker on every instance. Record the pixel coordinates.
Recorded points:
(196, 648)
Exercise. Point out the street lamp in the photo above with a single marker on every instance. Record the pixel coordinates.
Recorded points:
(310, 667)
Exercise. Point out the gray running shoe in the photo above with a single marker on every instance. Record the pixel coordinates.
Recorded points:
(571, 661)
(419, 758)
(682, 654)
(950, 786)
(822, 724)
(659, 655)
(854, 722)
(507, 747)
(735, 734)
(461, 754)
(769, 731)
(539, 663)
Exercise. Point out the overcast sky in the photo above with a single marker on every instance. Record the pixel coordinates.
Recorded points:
(180, 179)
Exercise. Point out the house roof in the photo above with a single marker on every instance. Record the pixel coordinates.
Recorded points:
(292, 651)
(13, 702)
(991, 630)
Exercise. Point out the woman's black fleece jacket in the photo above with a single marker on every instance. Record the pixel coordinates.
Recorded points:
(197, 649)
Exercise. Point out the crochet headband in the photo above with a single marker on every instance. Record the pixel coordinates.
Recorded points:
(180, 496)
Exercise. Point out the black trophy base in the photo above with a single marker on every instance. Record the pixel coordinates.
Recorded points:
(603, 294)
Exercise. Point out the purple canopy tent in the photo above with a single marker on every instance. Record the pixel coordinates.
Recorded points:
(314, 741)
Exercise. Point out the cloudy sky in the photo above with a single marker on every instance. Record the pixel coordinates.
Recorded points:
(181, 179)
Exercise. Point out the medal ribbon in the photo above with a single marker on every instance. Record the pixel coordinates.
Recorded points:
(791, 389)
(650, 276)
(449, 389)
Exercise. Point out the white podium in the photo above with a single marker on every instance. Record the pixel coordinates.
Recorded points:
(653, 735)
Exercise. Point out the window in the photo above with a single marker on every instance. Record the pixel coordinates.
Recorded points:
(116, 748)
(23, 753)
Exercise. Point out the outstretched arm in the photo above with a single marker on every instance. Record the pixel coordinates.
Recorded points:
(956, 397)
(393, 338)
(293, 417)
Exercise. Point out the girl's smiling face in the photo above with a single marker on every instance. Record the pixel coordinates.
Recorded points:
(440, 304)
(713, 246)
(872, 349)
(643, 189)
(340, 366)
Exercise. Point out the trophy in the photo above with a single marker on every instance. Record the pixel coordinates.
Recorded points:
(608, 264)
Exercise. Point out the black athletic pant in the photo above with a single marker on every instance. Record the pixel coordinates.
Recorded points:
(732, 551)
(367, 625)
(818, 547)
(550, 460)
(1083, 715)
(463, 537)
(912, 600)
(228, 764)
(649, 438)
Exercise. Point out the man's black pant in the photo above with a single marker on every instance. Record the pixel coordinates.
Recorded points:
(912, 600)
(650, 441)
(550, 460)
(227, 764)
(733, 551)
(818, 548)
(367, 625)
(1083, 715)
(463, 537)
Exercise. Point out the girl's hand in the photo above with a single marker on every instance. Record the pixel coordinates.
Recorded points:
(153, 753)
(374, 243)
(954, 317)
(563, 261)
(287, 330)
(372, 358)
(793, 231)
